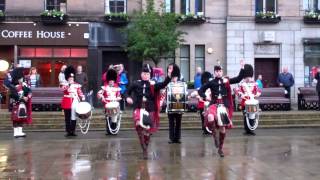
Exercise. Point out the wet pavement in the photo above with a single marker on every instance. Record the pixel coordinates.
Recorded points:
(272, 154)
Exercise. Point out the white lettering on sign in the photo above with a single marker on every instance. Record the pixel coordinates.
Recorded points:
(50, 35)
(29, 34)
(16, 34)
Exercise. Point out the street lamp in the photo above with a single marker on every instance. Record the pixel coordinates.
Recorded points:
(4, 65)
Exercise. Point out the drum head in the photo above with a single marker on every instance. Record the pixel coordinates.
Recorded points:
(83, 108)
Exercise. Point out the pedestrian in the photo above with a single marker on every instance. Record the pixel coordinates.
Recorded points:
(33, 79)
(20, 95)
(82, 79)
(62, 79)
(259, 81)
(219, 114)
(144, 94)
(286, 80)
(317, 77)
(122, 82)
(72, 94)
(174, 116)
(197, 78)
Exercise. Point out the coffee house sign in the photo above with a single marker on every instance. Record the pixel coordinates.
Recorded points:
(31, 34)
(37, 34)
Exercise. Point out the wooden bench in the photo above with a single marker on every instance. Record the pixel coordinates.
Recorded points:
(46, 99)
(307, 98)
(271, 99)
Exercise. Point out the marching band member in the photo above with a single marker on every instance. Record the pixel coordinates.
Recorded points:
(146, 105)
(205, 78)
(72, 96)
(174, 117)
(219, 114)
(247, 88)
(20, 94)
(110, 92)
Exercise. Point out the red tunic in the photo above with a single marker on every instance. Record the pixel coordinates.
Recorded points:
(70, 92)
(109, 92)
(245, 89)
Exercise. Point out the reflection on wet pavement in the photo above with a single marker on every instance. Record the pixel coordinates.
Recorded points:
(273, 154)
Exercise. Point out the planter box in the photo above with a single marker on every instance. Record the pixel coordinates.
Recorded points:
(49, 20)
(2, 18)
(308, 20)
(260, 20)
(116, 20)
(191, 20)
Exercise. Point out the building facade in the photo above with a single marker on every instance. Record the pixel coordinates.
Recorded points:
(289, 40)
(230, 32)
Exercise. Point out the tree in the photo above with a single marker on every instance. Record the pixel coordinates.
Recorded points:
(152, 35)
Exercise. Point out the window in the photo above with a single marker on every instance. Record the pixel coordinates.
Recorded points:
(115, 6)
(185, 61)
(266, 5)
(311, 5)
(59, 5)
(170, 6)
(199, 7)
(200, 56)
(185, 7)
(2, 5)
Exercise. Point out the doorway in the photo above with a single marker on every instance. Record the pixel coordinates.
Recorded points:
(269, 69)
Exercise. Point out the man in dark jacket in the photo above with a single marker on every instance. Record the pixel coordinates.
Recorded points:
(286, 80)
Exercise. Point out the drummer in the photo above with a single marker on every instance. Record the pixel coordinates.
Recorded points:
(174, 116)
(72, 95)
(110, 92)
(248, 87)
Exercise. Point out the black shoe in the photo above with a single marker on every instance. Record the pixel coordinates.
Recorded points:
(205, 133)
(177, 141)
(220, 152)
(249, 133)
(170, 142)
(67, 135)
(73, 134)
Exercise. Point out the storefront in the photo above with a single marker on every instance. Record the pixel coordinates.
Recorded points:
(45, 47)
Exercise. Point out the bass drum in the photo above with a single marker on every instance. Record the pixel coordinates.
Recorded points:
(84, 114)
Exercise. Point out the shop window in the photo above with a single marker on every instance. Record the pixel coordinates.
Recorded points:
(311, 5)
(115, 6)
(59, 5)
(79, 52)
(200, 56)
(199, 7)
(61, 52)
(27, 52)
(311, 61)
(170, 58)
(43, 52)
(2, 5)
(266, 6)
(170, 6)
(185, 61)
(185, 7)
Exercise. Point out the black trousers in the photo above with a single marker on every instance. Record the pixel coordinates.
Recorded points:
(70, 124)
(319, 100)
(122, 102)
(174, 126)
(289, 92)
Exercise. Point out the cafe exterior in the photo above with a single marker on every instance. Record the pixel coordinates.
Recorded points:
(45, 47)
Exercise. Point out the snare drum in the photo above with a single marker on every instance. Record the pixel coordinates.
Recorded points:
(177, 97)
(112, 108)
(83, 110)
(251, 105)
